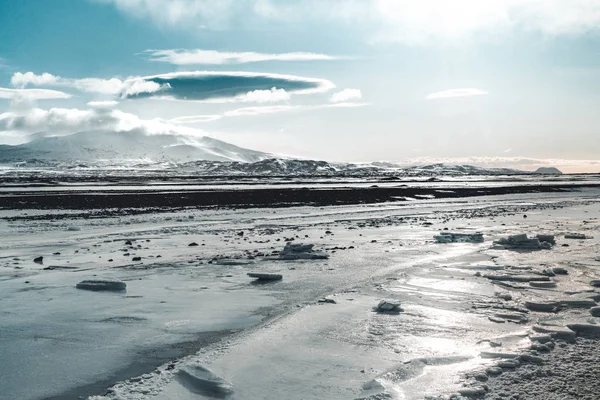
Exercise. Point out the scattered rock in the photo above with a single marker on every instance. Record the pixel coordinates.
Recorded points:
(493, 371)
(595, 283)
(557, 333)
(193, 244)
(578, 303)
(560, 271)
(38, 260)
(530, 358)
(540, 347)
(136, 259)
(232, 261)
(595, 311)
(540, 338)
(508, 364)
(73, 228)
(472, 392)
(504, 296)
(487, 354)
(517, 278)
(102, 285)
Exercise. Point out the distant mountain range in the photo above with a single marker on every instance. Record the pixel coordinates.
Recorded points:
(295, 167)
(203, 156)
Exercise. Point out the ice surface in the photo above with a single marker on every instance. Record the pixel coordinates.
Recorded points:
(312, 351)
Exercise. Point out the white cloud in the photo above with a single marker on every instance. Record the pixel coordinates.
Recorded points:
(65, 121)
(103, 104)
(139, 86)
(345, 105)
(112, 86)
(404, 21)
(32, 94)
(21, 80)
(264, 96)
(198, 57)
(345, 95)
(260, 110)
(467, 92)
(133, 86)
(194, 119)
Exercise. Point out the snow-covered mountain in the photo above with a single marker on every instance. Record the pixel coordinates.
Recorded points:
(199, 156)
(116, 147)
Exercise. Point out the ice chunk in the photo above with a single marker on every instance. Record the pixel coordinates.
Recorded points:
(452, 237)
(199, 380)
(576, 236)
(265, 276)
(102, 285)
(300, 251)
(587, 329)
(388, 306)
(523, 242)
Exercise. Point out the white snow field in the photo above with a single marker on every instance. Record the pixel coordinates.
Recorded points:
(189, 327)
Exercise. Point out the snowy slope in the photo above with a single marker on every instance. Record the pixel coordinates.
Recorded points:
(132, 145)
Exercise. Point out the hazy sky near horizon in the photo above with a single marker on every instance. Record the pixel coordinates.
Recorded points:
(502, 82)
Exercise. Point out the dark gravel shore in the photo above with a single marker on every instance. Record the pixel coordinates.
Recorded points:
(250, 198)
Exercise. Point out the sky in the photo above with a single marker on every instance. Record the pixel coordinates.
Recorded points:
(512, 83)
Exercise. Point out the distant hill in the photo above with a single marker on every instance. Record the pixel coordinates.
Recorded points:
(548, 171)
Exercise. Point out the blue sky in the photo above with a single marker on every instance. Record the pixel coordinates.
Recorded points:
(490, 82)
